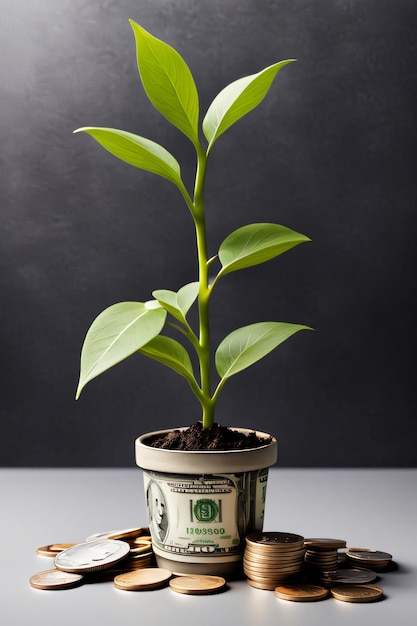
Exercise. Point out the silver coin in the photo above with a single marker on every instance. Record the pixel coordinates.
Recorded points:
(352, 576)
(92, 556)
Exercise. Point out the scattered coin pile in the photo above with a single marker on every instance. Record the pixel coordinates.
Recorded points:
(341, 575)
(124, 556)
(271, 559)
(296, 569)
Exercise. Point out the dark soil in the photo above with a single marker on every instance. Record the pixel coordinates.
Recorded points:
(197, 438)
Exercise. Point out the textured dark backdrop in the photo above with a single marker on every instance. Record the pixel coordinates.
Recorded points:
(330, 152)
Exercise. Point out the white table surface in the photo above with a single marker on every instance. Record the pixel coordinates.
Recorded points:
(369, 508)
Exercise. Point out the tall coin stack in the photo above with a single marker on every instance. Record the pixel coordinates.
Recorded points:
(321, 557)
(273, 558)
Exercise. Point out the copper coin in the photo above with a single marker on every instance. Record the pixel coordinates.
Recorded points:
(301, 593)
(357, 593)
(252, 558)
(143, 579)
(324, 544)
(271, 553)
(197, 585)
(55, 579)
(257, 585)
(270, 570)
(53, 549)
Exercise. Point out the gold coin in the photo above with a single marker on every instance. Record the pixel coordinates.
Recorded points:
(123, 534)
(271, 570)
(270, 578)
(140, 541)
(321, 558)
(271, 553)
(281, 562)
(142, 579)
(145, 548)
(55, 579)
(257, 585)
(129, 533)
(196, 585)
(324, 544)
(356, 593)
(53, 549)
(301, 593)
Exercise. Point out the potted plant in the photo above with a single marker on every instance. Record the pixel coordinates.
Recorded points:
(202, 498)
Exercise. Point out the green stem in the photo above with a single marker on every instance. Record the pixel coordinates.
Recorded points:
(204, 291)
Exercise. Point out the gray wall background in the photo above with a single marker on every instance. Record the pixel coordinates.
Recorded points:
(330, 152)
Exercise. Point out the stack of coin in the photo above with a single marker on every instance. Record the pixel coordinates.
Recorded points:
(273, 558)
(321, 557)
(366, 557)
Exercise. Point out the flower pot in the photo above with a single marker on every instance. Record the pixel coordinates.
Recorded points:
(201, 505)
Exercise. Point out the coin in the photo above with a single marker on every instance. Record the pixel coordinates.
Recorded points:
(53, 549)
(277, 540)
(324, 544)
(271, 560)
(351, 576)
(197, 585)
(55, 579)
(367, 554)
(91, 556)
(272, 554)
(129, 534)
(145, 548)
(357, 593)
(301, 593)
(257, 585)
(143, 579)
(125, 534)
(140, 541)
(372, 558)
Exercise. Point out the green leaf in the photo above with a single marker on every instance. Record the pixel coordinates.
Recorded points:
(178, 303)
(167, 81)
(115, 334)
(237, 99)
(170, 353)
(256, 243)
(245, 346)
(137, 151)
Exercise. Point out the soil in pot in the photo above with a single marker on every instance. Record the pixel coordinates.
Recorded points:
(196, 438)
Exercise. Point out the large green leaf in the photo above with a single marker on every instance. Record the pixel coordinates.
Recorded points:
(137, 151)
(245, 346)
(256, 243)
(237, 99)
(178, 303)
(170, 353)
(168, 82)
(115, 334)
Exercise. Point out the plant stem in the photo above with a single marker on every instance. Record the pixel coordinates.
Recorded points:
(204, 291)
